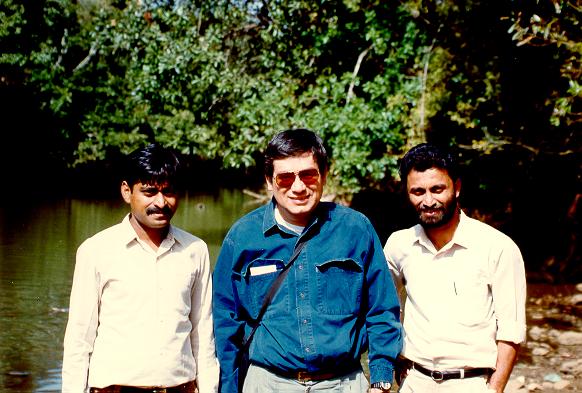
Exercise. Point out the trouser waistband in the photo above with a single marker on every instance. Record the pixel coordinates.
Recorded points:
(308, 376)
(443, 375)
(188, 387)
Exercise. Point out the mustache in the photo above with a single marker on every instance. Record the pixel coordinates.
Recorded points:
(431, 209)
(156, 210)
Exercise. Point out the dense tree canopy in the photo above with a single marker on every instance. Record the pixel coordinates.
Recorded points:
(216, 79)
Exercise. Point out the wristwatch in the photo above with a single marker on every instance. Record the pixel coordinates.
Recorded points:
(383, 386)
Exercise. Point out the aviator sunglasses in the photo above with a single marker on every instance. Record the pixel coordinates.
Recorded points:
(309, 177)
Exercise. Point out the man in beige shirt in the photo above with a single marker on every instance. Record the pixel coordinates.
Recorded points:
(464, 285)
(140, 316)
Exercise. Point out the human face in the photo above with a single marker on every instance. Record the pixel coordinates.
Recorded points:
(297, 201)
(152, 205)
(434, 195)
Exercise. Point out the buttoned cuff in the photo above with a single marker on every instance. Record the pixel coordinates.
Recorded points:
(511, 331)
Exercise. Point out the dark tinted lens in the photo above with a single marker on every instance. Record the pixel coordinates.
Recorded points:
(309, 176)
(285, 179)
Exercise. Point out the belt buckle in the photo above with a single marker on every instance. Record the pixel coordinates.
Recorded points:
(436, 375)
(159, 390)
(303, 376)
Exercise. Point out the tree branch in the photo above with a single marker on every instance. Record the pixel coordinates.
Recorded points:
(86, 60)
(422, 106)
(488, 146)
(355, 73)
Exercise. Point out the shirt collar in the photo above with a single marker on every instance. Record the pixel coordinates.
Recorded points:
(270, 223)
(129, 235)
(461, 237)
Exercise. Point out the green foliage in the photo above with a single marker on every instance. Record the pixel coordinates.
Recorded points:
(11, 24)
(556, 25)
(216, 81)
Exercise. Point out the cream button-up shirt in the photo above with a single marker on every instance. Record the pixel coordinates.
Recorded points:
(139, 317)
(459, 300)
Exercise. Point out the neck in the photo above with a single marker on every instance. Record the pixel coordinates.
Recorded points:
(301, 220)
(151, 236)
(443, 234)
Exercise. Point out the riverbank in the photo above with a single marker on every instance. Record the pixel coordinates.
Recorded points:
(551, 359)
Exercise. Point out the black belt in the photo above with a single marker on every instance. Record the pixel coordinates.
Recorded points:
(438, 375)
(188, 387)
(308, 376)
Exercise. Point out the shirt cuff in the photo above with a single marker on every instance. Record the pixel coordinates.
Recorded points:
(511, 331)
(381, 374)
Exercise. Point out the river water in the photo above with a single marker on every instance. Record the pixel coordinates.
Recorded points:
(37, 257)
(38, 242)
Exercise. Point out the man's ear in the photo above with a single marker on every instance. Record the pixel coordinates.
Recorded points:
(269, 183)
(458, 187)
(126, 191)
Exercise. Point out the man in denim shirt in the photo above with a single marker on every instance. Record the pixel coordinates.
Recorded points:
(337, 301)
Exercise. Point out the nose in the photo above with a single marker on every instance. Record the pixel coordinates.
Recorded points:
(160, 200)
(428, 200)
(298, 185)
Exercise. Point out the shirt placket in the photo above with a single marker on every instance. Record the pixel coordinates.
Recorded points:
(303, 301)
(160, 288)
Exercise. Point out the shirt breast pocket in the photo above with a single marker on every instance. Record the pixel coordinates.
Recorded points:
(339, 286)
(259, 276)
(473, 299)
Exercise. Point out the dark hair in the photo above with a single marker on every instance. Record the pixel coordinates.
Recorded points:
(152, 164)
(294, 142)
(425, 156)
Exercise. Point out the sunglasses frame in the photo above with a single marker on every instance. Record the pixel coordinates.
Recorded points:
(305, 174)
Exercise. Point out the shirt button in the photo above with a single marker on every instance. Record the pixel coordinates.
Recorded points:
(304, 321)
(307, 349)
(300, 267)
(302, 295)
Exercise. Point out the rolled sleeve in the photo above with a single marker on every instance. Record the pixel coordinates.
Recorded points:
(509, 294)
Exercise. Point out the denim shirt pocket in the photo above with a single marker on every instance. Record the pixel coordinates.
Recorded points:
(339, 286)
(258, 281)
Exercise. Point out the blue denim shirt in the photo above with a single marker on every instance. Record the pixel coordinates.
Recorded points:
(337, 300)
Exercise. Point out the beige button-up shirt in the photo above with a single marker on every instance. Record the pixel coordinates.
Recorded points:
(139, 317)
(460, 299)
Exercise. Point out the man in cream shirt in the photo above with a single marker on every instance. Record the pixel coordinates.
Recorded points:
(140, 316)
(464, 284)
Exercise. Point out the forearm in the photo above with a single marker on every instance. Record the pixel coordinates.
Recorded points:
(506, 357)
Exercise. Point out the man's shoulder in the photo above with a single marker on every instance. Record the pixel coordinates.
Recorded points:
(108, 241)
(484, 232)
(402, 238)
(187, 238)
(341, 212)
(250, 221)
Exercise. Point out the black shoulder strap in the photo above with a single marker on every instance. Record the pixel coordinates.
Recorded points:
(273, 290)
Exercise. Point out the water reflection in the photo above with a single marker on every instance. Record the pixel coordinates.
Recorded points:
(37, 250)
